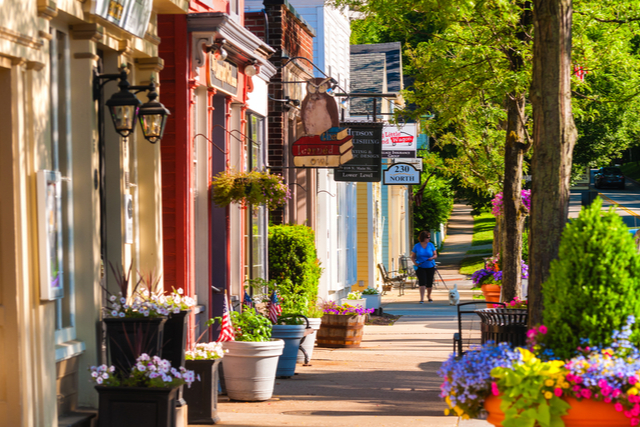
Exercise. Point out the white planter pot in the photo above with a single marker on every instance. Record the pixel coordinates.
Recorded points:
(310, 340)
(354, 302)
(373, 301)
(250, 369)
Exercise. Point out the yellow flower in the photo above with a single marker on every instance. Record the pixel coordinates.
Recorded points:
(526, 354)
(549, 383)
(465, 417)
(633, 391)
(447, 411)
(548, 395)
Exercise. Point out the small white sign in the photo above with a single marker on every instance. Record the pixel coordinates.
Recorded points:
(401, 174)
(128, 219)
(416, 163)
(400, 140)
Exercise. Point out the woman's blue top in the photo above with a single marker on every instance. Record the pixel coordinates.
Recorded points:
(423, 254)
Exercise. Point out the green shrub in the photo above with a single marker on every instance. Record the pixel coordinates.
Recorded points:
(593, 285)
(294, 265)
(436, 206)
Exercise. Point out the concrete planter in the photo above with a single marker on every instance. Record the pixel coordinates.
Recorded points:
(310, 340)
(373, 301)
(250, 369)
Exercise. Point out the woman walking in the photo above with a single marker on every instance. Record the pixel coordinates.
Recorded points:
(423, 255)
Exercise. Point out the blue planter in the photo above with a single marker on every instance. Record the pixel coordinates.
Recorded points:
(291, 335)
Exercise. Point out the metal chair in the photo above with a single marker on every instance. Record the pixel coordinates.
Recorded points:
(472, 322)
(391, 281)
(407, 269)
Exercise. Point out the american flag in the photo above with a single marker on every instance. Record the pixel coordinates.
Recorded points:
(226, 330)
(247, 300)
(274, 308)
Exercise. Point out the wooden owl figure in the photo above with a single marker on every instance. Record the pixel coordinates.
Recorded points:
(319, 110)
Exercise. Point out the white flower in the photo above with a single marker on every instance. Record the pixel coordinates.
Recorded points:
(94, 374)
(112, 369)
(99, 380)
(105, 376)
(180, 291)
(122, 300)
(121, 314)
(114, 313)
(112, 298)
(176, 310)
(145, 357)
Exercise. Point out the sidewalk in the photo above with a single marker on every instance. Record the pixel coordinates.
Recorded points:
(391, 380)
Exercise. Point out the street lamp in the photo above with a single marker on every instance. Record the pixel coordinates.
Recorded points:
(125, 107)
(153, 116)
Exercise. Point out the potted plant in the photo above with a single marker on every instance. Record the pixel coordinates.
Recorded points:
(252, 358)
(582, 368)
(253, 187)
(342, 325)
(202, 396)
(134, 322)
(175, 329)
(305, 351)
(144, 397)
(373, 299)
(489, 279)
(283, 307)
(355, 298)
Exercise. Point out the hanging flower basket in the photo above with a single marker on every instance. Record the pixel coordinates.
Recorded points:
(255, 188)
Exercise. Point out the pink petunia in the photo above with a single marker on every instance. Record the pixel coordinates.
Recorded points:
(607, 399)
(618, 407)
(635, 421)
(557, 391)
(542, 329)
(586, 393)
(494, 389)
(633, 380)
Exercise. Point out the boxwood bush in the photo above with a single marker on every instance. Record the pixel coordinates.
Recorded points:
(294, 265)
(594, 283)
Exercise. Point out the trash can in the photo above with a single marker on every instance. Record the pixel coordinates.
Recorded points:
(504, 325)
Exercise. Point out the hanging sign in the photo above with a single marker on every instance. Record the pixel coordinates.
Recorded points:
(367, 154)
(401, 174)
(130, 15)
(223, 75)
(399, 141)
(325, 143)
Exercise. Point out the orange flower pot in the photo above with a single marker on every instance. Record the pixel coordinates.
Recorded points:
(491, 293)
(583, 413)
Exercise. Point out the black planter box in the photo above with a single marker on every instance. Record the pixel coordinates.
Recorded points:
(137, 406)
(127, 338)
(202, 396)
(174, 341)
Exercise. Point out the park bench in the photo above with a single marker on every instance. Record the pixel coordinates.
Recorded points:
(408, 271)
(392, 280)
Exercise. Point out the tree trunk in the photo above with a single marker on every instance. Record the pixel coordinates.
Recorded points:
(513, 210)
(554, 135)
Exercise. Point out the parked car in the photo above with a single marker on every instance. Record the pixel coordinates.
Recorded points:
(609, 176)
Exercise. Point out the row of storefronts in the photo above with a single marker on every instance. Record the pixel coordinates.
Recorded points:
(82, 198)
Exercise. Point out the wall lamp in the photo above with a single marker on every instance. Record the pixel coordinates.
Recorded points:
(217, 48)
(125, 107)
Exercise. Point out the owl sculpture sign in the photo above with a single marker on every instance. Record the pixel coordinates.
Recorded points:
(324, 144)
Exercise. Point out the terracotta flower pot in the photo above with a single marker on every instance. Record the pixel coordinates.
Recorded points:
(583, 413)
(491, 293)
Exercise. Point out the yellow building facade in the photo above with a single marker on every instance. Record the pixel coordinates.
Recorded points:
(98, 203)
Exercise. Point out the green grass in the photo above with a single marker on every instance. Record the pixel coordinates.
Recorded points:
(632, 170)
(480, 251)
(471, 264)
(483, 225)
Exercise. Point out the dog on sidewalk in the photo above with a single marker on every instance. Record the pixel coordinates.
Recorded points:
(454, 295)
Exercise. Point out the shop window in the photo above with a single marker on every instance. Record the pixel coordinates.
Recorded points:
(61, 161)
(256, 236)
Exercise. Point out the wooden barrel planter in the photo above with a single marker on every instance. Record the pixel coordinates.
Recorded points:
(340, 331)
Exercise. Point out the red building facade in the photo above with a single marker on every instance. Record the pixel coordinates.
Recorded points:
(214, 82)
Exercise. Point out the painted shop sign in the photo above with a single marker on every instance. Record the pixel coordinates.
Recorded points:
(223, 75)
(367, 154)
(325, 143)
(130, 15)
(401, 174)
(399, 141)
